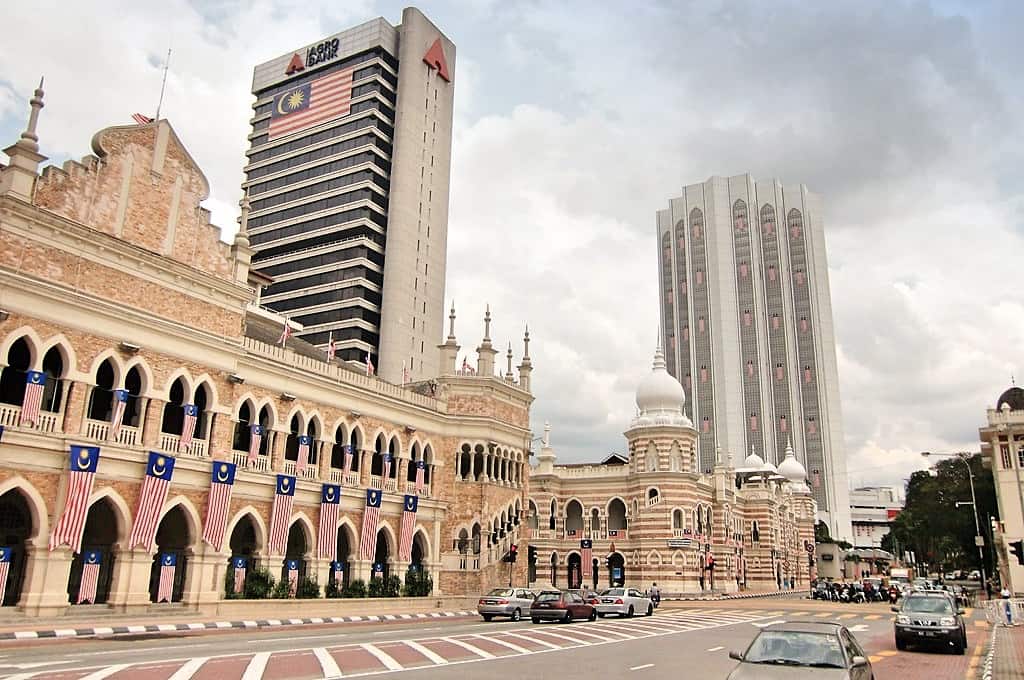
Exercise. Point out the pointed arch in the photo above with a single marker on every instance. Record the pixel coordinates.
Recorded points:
(420, 535)
(32, 341)
(309, 533)
(36, 505)
(213, 403)
(389, 535)
(192, 516)
(118, 366)
(121, 511)
(178, 374)
(67, 354)
(257, 521)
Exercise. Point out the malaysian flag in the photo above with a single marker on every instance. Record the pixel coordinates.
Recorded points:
(188, 426)
(369, 364)
(292, 566)
(35, 383)
(5, 567)
(312, 103)
(165, 591)
(412, 504)
(386, 472)
(91, 561)
(239, 565)
(586, 554)
(117, 416)
(303, 454)
(327, 536)
(337, 572)
(82, 471)
(421, 471)
(332, 349)
(222, 480)
(255, 439)
(286, 333)
(348, 458)
(141, 119)
(816, 478)
(371, 514)
(280, 513)
(159, 470)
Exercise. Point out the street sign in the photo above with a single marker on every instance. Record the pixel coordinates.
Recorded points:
(979, 541)
(679, 542)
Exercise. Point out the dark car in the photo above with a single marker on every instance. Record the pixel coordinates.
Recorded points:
(803, 649)
(561, 605)
(930, 617)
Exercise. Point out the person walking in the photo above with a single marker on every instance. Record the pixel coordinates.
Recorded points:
(655, 594)
(1007, 607)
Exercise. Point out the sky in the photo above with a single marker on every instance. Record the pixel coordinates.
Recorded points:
(576, 121)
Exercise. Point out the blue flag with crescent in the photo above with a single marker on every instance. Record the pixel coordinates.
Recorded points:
(35, 378)
(121, 395)
(238, 562)
(373, 497)
(5, 554)
(411, 503)
(305, 440)
(223, 472)
(330, 494)
(160, 465)
(421, 465)
(84, 458)
(257, 429)
(586, 543)
(93, 557)
(285, 485)
(292, 565)
(337, 566)
(168, 559)
(191, 410)
(290, 101)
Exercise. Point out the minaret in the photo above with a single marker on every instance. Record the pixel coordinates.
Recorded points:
(450, 348)
(546, 457)
(18, 179)
(509, 376)
(486, 352)
(525, 368)
(241, 250)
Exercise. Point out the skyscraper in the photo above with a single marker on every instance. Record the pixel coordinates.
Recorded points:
(347, 177)
(747, 319)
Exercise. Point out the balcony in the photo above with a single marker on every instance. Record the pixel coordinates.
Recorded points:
(127, 436)
(10, 416)
(259, 464)
(309, 473)
(410, 488)
(680, 533)
(654, 501)
(389, 484)
(618, 534)
(171, 443)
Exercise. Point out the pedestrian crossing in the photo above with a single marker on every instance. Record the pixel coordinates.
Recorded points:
(416, 652)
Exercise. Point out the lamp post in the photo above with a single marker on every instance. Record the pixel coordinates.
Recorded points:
(978, 539)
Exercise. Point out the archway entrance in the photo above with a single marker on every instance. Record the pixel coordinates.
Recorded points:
(243, 543)
(382, 556)
(173, 538)
(100, 535)
(15, 530)
(344, 555)
(298, 550)
(574, 571)
(616, 570)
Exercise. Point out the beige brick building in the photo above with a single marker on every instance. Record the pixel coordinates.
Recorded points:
(113, 279)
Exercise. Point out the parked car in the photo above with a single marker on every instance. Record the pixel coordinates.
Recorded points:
(974, 575)
(561, 605)
(624, 602)
(930, 617)
(829, 648)
(510, 602)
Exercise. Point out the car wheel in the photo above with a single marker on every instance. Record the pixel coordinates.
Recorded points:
(600, 615)
(568, 616)
(516, 615)
(487, 617)
(630, 613)
(650, 610)
(901, 644)
(961, 646)
(535, 619)
(593, 615)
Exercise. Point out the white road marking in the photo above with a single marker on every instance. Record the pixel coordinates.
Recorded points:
(436, 658)
(595, 635)
(504, 643)
(39, 664)
(715, 649)
(762, 624)
(260, 641)
(258, 664)
(327, 663)
(106, 672)
(640, 668)
(20, 676)
(468, 647)
(859, 628)
(566, 638)
(543, 643)
(189, 669)
(383, 657)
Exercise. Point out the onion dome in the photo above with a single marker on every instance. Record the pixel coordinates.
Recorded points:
(790, 468)
(660, 397)
(753, 461)
(1013, 397)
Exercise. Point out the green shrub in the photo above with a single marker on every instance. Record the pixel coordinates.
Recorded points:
(417, 583)
(355, 588)
(258, 584)
(308, 589)
(280, 591)
(391, 586)
(375, 588)
(229, 585)
(333, 589)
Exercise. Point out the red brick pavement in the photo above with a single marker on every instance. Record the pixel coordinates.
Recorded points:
(1008, 661)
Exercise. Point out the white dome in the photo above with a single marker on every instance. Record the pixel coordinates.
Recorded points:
(753, 461)
(791, 469)
(660, 397)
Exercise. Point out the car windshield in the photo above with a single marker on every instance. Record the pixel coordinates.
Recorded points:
(796, 648)
(928, 605)
(501, 592)
(614, 591)
(549, 597)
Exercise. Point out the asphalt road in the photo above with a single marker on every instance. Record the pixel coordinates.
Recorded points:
(691, 640)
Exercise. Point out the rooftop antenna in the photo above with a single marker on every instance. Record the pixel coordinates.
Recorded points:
(167, 64)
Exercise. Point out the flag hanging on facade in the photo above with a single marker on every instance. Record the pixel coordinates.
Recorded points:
(91, 562)
(405, 374)
(338, 571)
(222, 481)
(303, 455)
(327, 535)
(303, 106)
(286, 333)
(35, 383)
(421, 471)
(347, 449)
(408, 527)
(159, 470)
(587, 554)
(292, 567)
(369, 364)
(239, 565)
(332, 349)
(82, 471)
(371, 515)
(165, 590)
(280, 513)
(188, 427)
(386, 471)
(1, 433)
(815, 478)
(117, 414)
(255, 439)
(141, 119)
(5, 568)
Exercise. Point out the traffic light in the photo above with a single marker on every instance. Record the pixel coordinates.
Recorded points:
(1017, 548)
(531, 553)
(513, 551)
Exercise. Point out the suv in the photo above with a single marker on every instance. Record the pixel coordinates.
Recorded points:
(930, 617)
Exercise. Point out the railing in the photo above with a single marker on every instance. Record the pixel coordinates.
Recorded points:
(126, 436)
(352, 479)
(680, 533)
(618, 534)
(309, 473)
(10, 416)
(339, 477)
(241, 459)
(389, 484)
(654, 501)
(590, 471)
(410, 487)
(171, 443)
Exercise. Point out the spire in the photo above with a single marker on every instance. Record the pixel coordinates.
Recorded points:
(450, 348)
(525, 366)
(19, 177)
(486, 352)
(451, 322)
(508, 371)
(547, 434)
(29, 139)
(242, 249)
(243, 221)
(487, 325)
(526, 345)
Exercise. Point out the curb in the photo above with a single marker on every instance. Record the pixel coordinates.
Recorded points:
(741, 596)
(986, 668)
(218, 625)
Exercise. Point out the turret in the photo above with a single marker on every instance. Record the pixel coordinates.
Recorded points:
(546, 457)
(526, 367)
(18, 179)
(486, 352)
(241, 250)
(450, 348)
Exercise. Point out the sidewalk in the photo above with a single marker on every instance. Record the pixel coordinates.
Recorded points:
(1005, 659)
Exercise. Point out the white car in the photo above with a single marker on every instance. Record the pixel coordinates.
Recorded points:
(624, 602)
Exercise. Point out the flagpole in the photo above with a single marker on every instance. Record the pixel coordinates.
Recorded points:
(163, 84)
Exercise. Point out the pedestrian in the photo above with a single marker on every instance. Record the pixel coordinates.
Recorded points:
(1007, 606)
(988, 589)
(655, 594)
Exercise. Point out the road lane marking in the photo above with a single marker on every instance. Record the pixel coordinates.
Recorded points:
(765, 624)
(468, 647)
(888, 652)
(503, 643)
(874, 658)
(543, 643)
(430, 654)
(715, 649)
(260, 641)
(981, 624)
(823, 615)
(859, 628)
(258, 664)
(382, 656)
(640, 668)
(595, 635)
(872, 617)
(189, 669)
(847, 616)
(106, 672)
(327, 663)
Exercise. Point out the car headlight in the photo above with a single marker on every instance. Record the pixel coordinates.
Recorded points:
(947, 621)
(903, 619)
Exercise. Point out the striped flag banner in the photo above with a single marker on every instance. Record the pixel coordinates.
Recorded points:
(35, 383)
(280, 513)
(386, 471)
(348, 458)
(117, 414)
(292, 567)
(312, 103)
(91, 562)
(586, 554)
(157, 482)
(421, 471)
(408, 527)
(82, 472)
(239, 565)
(222, 481)
(327, 534)
(168, 565)
(302, 462)
(188, 427)
(5, 568)
(338, 571)
(371, 515)
(255, 440)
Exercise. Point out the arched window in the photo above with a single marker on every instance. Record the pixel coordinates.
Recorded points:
(551, 517)
(12, 379)
(243, 428)
(174, 414)
(678, 522)
(53, 367)
(652, 494)
(101, 396)
(202, 404)
(133, 414)
(574, 518)
(616, 515)
(291, 445)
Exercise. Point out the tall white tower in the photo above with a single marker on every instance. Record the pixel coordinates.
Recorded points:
(747, 318)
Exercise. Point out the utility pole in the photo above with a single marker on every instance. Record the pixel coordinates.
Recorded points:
(979, 540)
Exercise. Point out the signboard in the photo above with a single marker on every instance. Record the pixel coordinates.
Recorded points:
(616, 573)
(679, 542)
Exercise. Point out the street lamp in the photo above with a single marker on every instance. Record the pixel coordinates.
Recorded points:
(978, 539)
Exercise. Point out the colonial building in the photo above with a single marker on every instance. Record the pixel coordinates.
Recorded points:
(1002, 447)
(655, 516)
(128, 327)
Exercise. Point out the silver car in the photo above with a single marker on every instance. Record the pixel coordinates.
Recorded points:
(804, 650)
(624, 602)
(510, 602)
